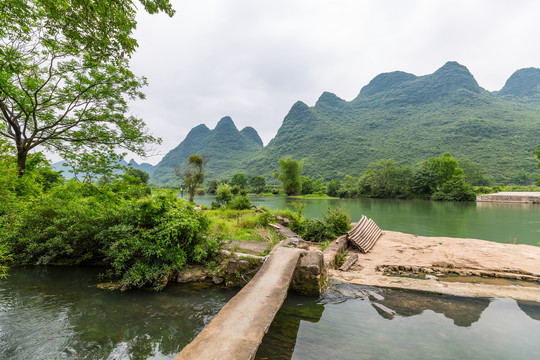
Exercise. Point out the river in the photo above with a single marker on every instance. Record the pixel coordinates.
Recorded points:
(499, 222)
(58, 313)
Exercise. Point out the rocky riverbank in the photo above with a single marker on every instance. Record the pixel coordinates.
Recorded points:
(455, 266)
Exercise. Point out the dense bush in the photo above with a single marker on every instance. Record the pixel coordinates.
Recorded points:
(16, 191)
(239, 203)
(316, 230)
(61, 226)
(141, 237)
(335, 222)
(233, 197)
(5, 258)
(455, 189)
(224, 194)
(157, 235)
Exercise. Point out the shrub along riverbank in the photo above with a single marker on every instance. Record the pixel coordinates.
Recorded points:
(142, 236)
(437, 178)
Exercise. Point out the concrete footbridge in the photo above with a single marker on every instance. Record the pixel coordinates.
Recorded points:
(238, 329)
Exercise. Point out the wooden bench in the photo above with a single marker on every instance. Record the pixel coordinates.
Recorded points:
(364, 234)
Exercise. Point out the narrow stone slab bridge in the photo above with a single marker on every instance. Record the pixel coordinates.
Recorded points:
(238, 329)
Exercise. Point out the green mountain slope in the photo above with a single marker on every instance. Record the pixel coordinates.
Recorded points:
(225, 147)
(524, 83)
(411, 118)
(149, 168)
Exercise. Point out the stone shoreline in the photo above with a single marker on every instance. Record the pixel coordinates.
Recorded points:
(453, 266)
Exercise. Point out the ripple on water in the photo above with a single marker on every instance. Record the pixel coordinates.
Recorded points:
(56, 313)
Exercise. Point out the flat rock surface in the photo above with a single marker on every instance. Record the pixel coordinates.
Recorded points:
(248, 247)
(396, 248)
(284, 231)
(517, 193)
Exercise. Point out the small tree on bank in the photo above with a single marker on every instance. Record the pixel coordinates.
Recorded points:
(240, 180)
(257, 183)
(290, 175)
(142, 175)
(193, 174)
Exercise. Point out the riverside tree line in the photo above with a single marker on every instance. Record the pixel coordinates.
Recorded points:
(437, 178)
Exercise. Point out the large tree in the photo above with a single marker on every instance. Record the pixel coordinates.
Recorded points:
(257, 183)
(100, 28)
(65, 79)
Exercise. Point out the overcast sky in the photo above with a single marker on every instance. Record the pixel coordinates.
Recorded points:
(253, 59)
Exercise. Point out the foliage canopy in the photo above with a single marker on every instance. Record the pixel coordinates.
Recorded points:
(65, 79)
(290, 175)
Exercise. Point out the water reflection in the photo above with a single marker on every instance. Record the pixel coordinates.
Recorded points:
(359, 322)
(281, 338)
(56, 313)
(531, 308)
(50, 313)
(464, 311)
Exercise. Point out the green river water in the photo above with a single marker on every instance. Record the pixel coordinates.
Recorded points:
(499, 222)
(58, 313)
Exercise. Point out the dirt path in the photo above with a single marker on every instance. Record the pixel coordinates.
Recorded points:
(397, 258)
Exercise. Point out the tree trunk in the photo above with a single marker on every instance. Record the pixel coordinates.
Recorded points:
(21, 161)
(192, 190)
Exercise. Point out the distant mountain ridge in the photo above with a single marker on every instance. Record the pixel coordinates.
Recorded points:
(403, 88)
(396, 115)
(224, 146)
(66, 169)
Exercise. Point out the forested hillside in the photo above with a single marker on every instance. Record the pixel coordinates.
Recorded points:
(411, 118)
(225, 148)
(397, 115)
